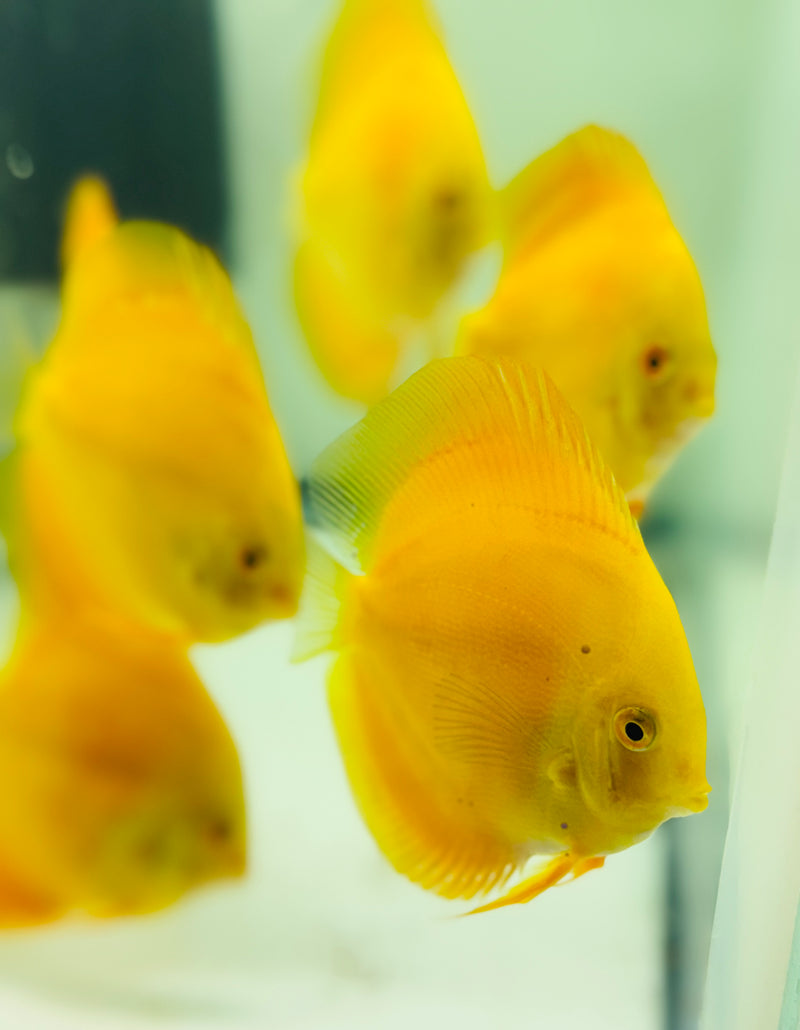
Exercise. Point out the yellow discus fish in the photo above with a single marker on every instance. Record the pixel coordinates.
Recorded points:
(599, 290)
(395, 192)
(150, 475)
(512, 678)
(123, 787)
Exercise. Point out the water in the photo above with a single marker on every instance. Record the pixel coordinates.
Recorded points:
(323, 934)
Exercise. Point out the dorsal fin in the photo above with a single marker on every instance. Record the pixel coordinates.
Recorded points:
(140, 259)
(582, 171)
(144, 309)
(90, 216)
(494, 431)
(356, 40)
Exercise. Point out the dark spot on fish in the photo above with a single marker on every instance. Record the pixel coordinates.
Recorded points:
(252, 557)
(447, 199)
(564, 826)
(585, 649)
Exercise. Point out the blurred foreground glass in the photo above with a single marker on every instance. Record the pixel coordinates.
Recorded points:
(754, 967)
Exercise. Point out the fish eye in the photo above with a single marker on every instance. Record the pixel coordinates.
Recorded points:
(656, 361)
(253, 557)
(635, 728)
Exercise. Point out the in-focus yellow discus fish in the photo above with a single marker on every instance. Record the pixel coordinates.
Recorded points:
(150, 474)
(395, 192)
(512, 678)
(123, 786)
(599, 290)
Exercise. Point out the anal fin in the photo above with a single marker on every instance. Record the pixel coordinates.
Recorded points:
(424, 832)
(356, 356)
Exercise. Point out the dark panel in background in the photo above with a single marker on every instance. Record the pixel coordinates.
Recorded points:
(127, 88)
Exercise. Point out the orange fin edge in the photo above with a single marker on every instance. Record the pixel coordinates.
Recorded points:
(552, 874)
(90, 216)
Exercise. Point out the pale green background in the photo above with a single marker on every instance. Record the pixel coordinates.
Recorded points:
(324, 935)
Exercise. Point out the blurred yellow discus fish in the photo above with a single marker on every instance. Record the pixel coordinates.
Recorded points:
(395, 193)
(123, 786)
(150, 476)
(599, 290)
(512, 678)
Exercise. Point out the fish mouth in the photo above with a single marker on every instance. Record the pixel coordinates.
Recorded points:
(688, 427)
(236, 865)
(283, 600)
(704, 407)
(691, 806)
(230, 865)
(666, 449)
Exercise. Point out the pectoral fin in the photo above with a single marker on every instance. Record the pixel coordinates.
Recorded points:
(552, 874)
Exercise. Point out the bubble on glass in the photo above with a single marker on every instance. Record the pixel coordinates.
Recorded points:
(19, 161)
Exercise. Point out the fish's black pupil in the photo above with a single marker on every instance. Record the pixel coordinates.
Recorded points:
(655, 359)
(634, 732)
(252, 557)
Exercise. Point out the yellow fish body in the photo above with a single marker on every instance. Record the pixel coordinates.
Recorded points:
(150, 474)
(123, 784)
(599, 290)
(512, 678)
(395, 192)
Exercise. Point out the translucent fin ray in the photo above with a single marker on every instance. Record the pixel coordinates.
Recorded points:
(320, 604)
(416, 830)
(533, 886)
(495, 432)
